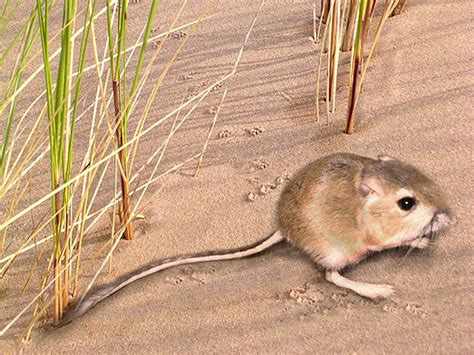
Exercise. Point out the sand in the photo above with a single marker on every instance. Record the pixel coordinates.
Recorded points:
(416, 106)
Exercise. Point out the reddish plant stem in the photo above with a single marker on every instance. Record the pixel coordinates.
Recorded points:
(352, 97)
(125, 210)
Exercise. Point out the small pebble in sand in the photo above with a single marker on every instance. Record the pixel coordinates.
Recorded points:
(212, 109)
(225, 133)
(251, 197)
(155, 44)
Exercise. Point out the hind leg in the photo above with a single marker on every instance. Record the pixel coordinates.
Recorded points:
(364, 289)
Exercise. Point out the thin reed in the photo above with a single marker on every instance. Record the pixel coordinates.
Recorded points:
(72, 208)
(347, 27)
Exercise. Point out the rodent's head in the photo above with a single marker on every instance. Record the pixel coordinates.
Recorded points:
(401, 205)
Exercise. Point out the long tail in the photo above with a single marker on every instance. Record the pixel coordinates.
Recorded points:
(127, 279)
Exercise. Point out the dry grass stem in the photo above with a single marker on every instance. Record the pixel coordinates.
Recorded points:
(204, 149)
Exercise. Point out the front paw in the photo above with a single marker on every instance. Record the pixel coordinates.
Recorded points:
(419, 243)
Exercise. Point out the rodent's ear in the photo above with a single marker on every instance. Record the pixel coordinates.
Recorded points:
(383, 157)
(371, 186)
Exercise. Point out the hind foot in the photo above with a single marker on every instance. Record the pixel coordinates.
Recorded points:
(364, 289)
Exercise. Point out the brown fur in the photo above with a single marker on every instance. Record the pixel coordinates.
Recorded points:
(321, 209)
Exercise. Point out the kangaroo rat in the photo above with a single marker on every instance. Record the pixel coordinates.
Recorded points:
(337, 210)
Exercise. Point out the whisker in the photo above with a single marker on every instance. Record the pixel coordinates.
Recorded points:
(407, 253)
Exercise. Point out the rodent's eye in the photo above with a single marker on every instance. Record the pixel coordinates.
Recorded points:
(406, 203)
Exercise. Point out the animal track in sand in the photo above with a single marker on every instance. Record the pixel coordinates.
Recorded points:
(190, 95)
(255, 131)
(390, 307)
(189, 274)
(416, 309)
(395, 306)
(308, 296)
(174, 280)
(212, 109)
(216, 87)
(265, 188)
(178, 34)
(225, 134)
(311, 298)
(251, 197)
(200, 278)
(260, 163)
(254, 180)
(190, 75)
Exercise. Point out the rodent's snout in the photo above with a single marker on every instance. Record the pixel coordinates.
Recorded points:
(445, 218)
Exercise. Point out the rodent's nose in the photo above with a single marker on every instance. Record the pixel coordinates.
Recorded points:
(445, 217)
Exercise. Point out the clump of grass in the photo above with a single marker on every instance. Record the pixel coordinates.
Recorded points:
(349, 32)
(61, 140)
(74, 209)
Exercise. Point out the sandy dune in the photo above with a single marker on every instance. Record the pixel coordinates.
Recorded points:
(417, 105)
